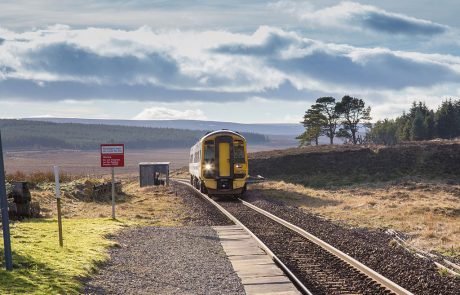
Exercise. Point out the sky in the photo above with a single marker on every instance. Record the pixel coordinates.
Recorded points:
(239, 61)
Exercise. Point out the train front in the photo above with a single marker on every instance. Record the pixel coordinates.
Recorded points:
(225, 163)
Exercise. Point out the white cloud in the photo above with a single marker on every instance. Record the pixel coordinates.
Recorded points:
(42, 116)
(359, 17)
(64, 64)
(162, 113)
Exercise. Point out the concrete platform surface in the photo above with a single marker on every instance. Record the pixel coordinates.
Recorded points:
(258, 273)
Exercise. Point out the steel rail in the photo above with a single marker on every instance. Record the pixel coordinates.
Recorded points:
(395, 288)
(272, 255)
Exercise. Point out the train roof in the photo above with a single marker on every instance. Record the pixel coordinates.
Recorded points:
(216, 132)
(222, 131)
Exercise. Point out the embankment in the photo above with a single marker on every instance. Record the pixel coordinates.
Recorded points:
(329, 165)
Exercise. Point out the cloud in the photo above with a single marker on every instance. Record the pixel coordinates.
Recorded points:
(384, 70)
(273, 43)
(73, 61)
(162, 113)
(399, 24)
(60, 63)
(42, 116)
(313, 61)
(80, 90)
(355, 16)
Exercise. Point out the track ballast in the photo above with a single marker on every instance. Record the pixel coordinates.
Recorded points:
(317, 269)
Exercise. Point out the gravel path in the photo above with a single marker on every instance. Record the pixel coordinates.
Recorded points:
(168, 260)
(373, 248)
(159, 260)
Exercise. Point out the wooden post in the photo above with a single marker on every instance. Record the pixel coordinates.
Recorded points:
(113, 193)
(5, 219)
(58, 200)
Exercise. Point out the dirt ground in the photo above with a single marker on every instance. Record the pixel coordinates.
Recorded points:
(428, 212)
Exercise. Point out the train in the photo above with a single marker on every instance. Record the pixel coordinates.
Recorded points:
(219, 163)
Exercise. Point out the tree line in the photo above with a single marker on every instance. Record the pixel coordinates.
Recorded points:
(419, 123)
(334, 119)
(23, 134)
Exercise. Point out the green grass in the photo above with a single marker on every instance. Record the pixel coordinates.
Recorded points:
(42, 267)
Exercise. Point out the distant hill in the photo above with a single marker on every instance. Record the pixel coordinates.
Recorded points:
(291, 130)
(26, 134)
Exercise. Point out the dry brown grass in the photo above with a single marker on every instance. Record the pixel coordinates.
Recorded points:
(428, 211)
(38, 177)
(181, 173)
(148, 206)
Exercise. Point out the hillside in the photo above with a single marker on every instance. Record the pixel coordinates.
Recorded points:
(23, 135)
(291, 130)
(335, 165)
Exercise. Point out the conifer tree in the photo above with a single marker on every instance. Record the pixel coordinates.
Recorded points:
(353, 112)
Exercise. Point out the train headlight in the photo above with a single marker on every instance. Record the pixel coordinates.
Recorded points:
(207, 167)
(239, 165)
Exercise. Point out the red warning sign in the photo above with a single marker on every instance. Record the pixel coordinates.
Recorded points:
(112, 155)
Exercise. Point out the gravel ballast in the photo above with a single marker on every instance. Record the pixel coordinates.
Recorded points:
(165, 260)
(373, 248)
(199, 211)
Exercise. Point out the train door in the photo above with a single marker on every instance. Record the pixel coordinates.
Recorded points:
(224, 159)
(224, 153)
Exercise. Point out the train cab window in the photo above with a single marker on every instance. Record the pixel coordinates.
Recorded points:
(238, 151)
(209, 151)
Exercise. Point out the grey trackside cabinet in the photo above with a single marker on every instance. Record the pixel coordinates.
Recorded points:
(154, 173)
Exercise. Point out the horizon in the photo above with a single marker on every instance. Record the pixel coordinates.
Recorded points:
(115, 119)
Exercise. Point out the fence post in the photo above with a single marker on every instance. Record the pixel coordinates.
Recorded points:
(113, 193)
(58, 201)
(4, 209)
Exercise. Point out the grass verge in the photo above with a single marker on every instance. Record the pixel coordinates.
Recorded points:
(42, 267)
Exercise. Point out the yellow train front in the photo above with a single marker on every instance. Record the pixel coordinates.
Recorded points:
(219, 163)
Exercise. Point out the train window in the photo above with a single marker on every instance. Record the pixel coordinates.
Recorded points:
(209, 151)
(238, 151)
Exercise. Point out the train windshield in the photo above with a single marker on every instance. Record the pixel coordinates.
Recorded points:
(238, 152)
(209, 151)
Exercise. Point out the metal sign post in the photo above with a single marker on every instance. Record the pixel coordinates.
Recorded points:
(113, 155)
(4, 209)
(113, 193)
(58, 201)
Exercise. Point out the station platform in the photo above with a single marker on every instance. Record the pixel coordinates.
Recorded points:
(258, 273)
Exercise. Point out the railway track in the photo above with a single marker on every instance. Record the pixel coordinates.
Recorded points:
(313, 265)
